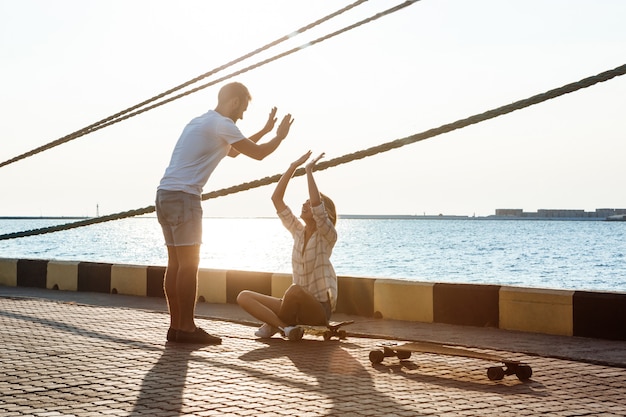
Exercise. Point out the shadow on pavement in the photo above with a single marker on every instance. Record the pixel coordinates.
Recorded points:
(340, 378)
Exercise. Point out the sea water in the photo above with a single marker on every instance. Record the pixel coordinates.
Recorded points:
(575, 255)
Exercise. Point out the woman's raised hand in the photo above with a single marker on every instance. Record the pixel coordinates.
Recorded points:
(311, 165)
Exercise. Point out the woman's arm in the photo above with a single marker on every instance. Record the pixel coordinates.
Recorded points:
(325, 226)
(314, 194)
(279, 192)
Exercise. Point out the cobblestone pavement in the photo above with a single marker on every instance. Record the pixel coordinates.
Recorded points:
(69, 359)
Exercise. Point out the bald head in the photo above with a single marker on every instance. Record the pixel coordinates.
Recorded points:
(232, 101)
(233, 90)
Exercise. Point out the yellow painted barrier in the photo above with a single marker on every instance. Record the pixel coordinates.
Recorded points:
(8, 272)
(62, 275)
(129, 279)
(280, 283)
(404, 300)
(212, 285)
(537, 310)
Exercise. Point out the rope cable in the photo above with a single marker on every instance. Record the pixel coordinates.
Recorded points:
(107, 121)
(249, 68)
(490, 114)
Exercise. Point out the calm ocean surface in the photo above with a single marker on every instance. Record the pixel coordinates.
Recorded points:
(581, 255)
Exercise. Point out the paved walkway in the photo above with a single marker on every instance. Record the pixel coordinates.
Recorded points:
(81, 354)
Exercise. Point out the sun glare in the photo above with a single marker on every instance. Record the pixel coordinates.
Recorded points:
(244, 244)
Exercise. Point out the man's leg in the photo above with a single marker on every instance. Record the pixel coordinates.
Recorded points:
(180, 216)
(187, 286)
(169, 286)
(186, 290)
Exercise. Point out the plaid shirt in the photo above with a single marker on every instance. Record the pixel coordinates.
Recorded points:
(311, 265)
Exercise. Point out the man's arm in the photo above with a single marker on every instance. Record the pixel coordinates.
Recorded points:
(259, 151)
(269, 126)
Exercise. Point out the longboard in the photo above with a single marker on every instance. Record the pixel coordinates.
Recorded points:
(330, 329)
(494, 373)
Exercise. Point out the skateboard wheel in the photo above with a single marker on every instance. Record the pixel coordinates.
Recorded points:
(402, 354)
(327, 335)
(341, 334)
(495, 373)
(523, 372)
(377, 356)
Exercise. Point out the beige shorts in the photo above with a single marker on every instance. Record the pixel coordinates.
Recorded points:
(180, 216)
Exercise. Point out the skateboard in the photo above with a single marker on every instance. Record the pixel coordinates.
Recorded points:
(330, 329)
(494, 373)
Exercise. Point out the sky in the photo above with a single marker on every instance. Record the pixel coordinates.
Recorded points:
(69, 63)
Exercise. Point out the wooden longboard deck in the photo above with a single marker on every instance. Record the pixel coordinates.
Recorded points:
(434, 348)
(494, 373)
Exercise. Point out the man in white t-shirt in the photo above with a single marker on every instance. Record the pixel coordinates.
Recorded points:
(204, 142)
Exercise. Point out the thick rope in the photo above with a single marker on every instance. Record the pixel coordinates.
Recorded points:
(490, 114)
(249, 68)
(118, 116)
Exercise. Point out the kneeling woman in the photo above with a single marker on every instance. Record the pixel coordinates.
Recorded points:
(312, 297)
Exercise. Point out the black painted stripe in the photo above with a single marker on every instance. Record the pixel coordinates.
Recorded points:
(466, 304)
(32, 273)
(154, 286)
(94, 277)
(600, 315)
(355, 296)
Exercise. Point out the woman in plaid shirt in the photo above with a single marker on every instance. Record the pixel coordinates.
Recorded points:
(312, 297)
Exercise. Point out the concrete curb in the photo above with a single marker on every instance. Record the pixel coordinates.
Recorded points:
(600, 315)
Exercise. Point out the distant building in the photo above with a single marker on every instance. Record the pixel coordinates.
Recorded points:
(561, 213)
(510, 212)
(602, 213)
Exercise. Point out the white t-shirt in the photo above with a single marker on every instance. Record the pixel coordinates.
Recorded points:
(205, 141)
